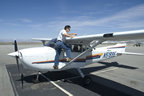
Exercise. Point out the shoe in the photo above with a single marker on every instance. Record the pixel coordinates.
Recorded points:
(68, 59)
(55, 67)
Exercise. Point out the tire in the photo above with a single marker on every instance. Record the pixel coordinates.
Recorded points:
(87, 80)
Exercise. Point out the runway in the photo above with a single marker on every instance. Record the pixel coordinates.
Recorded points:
(120, 76)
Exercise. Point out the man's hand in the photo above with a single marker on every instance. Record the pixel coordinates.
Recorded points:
(74, 34)
(71, 35)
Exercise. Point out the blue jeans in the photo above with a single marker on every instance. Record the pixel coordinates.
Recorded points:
(61, 45)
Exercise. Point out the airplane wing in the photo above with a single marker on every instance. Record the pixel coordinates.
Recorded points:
(116, 36)
(42, 39)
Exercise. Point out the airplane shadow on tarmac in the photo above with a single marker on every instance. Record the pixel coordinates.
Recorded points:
(106, 65)
(99, 85)
(59, 75)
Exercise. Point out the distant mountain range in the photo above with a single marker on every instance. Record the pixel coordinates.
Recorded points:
(19, 40)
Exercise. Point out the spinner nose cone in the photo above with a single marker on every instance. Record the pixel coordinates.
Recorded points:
(13, 54)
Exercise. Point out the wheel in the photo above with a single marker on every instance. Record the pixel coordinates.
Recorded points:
(35, 81)
(66, 80)
(63, 80)
(87, 80)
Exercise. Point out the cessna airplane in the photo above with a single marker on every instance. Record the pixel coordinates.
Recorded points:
(84, 52)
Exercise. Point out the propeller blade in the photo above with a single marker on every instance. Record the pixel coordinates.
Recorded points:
(15, 46)
(17, 61)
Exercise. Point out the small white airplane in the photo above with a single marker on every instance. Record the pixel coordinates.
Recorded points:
(83, 48)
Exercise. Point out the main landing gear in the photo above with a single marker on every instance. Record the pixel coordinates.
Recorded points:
(86, 79)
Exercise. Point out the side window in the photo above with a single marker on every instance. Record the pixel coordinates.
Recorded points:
(77, 48)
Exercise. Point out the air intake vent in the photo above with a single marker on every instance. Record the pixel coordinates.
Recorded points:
(108, 35)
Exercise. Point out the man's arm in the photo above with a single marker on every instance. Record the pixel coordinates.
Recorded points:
(70, 35)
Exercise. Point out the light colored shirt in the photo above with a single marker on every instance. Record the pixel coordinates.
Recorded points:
(61, 35)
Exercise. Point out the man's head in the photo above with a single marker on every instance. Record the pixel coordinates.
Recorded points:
(67, 28)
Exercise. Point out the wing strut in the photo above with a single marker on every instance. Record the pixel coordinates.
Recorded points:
(94, 45)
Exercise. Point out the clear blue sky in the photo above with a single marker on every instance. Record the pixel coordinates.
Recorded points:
(26, 19)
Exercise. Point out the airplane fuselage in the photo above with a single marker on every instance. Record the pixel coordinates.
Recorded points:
(42, 58)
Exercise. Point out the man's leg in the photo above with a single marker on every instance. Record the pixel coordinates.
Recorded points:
(57, 56)
(68, 50)
(58, 51)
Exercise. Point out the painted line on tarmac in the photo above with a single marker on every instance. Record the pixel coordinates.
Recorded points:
(66, 92)
(56, 85)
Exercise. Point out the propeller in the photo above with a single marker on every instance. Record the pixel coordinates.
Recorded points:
(17, 61)
(16, 49)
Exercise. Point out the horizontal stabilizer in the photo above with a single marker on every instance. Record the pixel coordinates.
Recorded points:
(131, 53)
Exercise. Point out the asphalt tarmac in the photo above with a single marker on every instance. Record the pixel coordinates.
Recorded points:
(120, 76)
